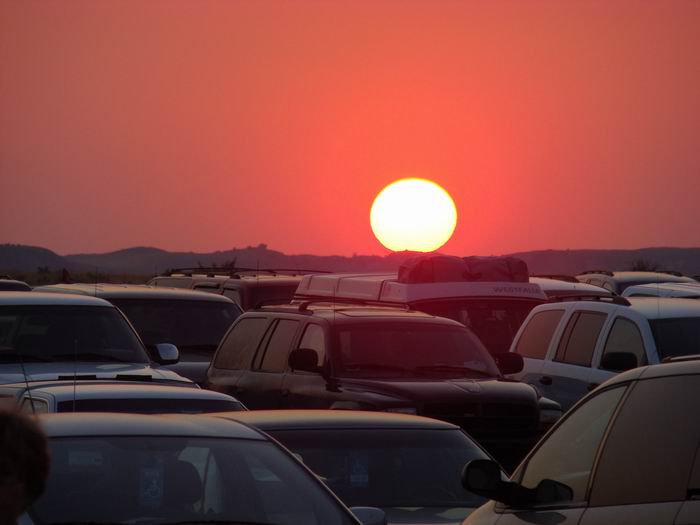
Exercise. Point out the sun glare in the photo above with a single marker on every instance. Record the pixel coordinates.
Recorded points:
(413, 214)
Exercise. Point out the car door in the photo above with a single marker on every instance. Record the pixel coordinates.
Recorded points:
(533, 342)
(643, 471)
(568, 376)
(263, 382)
(568, 456)
(302, 389)
(234, 357)
(621, 335)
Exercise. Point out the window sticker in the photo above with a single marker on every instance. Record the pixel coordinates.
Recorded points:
(151, 487)
(359, 470)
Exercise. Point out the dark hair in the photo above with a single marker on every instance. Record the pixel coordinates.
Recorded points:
(24, 454)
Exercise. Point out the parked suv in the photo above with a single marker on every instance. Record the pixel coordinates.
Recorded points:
(247, 287)
(627, 454)
(320, 355)
(687, 290)
(569, 348)
(61, 336)
(617, 282)
(194, 322)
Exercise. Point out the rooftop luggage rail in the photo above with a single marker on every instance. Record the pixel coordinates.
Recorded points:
(602, 272)
(235, 272)
(557, 277)
(303, 304)
(614, 299)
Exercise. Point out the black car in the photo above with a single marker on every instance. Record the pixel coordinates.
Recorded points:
(626, 454)
(319, 355)
(408, 466)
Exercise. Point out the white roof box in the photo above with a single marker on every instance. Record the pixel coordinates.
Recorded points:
(385, 288)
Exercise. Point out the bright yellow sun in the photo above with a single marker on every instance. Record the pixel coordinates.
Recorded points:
(413, 214)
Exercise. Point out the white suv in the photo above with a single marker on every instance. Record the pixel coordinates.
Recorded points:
(570, 348)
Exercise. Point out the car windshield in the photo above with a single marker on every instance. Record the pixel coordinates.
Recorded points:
(169, 480)
(150, 405)
(67, 333)
(494, 321)
(192, 326)
(388, 468)
(416, 350)
(676, 336)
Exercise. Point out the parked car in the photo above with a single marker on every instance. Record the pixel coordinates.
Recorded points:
(56, 336)
(319, 355)
(626, 454)
(557, 289)
(193, 321)
(12, 285)
(686, 290)
(409, 466)
(114, 396)
(246, 286)
(163, 470)
(569, 348)
(617, 282)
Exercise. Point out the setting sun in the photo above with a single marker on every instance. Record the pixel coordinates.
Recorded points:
(413, 214)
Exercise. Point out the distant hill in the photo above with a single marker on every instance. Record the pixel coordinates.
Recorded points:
(148, 261)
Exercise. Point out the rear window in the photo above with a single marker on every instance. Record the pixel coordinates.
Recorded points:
(676, 337)
(538, 333)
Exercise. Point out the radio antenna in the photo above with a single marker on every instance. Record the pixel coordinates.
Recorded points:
(75, 369)
(26, 382)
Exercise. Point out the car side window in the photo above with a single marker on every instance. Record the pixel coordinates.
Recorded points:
(279, 346)
(537, 335)
(579, 338)
(237, 350)
(624, 336)
(649, 452)
(567, 455)
(314, 338)
(34, 405)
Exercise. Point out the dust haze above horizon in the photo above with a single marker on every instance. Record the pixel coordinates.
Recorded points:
(206, 125)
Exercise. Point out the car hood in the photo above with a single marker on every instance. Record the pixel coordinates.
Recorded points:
(427, 515)
(441, 391)
(12, 373)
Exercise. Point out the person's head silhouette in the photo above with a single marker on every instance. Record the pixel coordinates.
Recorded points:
(24, 464)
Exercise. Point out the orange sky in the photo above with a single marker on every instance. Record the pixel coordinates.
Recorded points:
(205, 125)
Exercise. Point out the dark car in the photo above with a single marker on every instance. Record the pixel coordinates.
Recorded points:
(409, 466)
(318, 355)
(626, 454)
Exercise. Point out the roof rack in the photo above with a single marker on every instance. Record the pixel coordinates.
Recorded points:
(614, 299)
(305, 303)
(557, 277)
(602, 272)
(234, 272)
(681, 358)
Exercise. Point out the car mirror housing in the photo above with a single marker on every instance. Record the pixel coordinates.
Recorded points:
(509, 362)
(482, 477)
(167, 354)
(304, 359)
(369, 515)
(619, 361)
(550, 491)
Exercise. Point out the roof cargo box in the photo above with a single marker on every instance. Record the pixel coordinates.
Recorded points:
(445, 268)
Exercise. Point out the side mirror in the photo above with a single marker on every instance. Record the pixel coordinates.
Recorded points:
(482, 477)
(369, 515)
(618, 361)
(167, 354)
(550, 491)
(305, 359)
(509, 362)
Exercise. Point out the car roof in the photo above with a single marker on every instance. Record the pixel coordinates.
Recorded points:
(626, 276)
(81, 424)
(558, 288)
(333, 419)
(688, 365)
(49, 299)
(340, 313)
(133, 291)
(263, 278)
(65, 389)
(665, 289)
(665, 307)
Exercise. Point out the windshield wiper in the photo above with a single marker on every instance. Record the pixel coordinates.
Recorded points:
(453, 368)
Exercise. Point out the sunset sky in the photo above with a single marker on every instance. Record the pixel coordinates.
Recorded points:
(207, 125)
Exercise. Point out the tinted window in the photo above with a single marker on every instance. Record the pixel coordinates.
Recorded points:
(237, 350)
(67, 333)
(538, 333)
(192, 326)
(495, 322)
(411, 350)
(180, 479)
(675, 337)
(625, 337)
(579, 338)
(568, 453)
(649, 452)
(279, 345)
(314, 338)
(388, 468)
